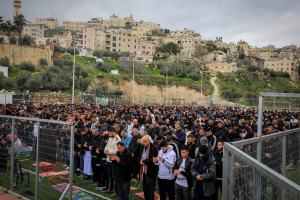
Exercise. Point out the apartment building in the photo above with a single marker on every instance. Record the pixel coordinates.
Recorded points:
(269, 48)
(147, 48)
(268, 55)
(220, 67)
(244, 45)
(63, 39)
(147, 26)
(141, 32)
(233, 48)
(284, 65)
(217, 56)
(114, 21)
(120, 40)
(185, 32)
(288, 54)
(188, 43)
(34, 30)
(74, 25)
(91, 38)
(49, 22)
(128, 20)
(95, 23)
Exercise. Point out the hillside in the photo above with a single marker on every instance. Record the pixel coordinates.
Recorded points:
(243, 87)
(182, 75)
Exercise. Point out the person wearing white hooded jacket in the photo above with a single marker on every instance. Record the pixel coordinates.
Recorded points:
(166, 160)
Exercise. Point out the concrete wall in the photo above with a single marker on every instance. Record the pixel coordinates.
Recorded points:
(18, 54)
(4, 70)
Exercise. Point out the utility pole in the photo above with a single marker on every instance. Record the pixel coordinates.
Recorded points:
(74, 43)
(133, 81)
(201, 85)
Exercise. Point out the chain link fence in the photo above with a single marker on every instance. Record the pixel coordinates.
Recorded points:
(269, 173)
(36, 157)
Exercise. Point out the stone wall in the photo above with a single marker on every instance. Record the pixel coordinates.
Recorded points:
(18, 54)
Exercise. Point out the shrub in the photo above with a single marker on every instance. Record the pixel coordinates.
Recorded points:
(163, 72)
(252, 68)
(104, 67)
(70, 50)
(27, 66)
(43, 62)
(195, 77)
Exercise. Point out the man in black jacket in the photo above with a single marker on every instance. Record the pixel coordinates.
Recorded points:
(95, 161)
(123, 166)
(104, 179)
(192, 146)
(219, 169)
(184, 178)
(134, 148)
(148, 170)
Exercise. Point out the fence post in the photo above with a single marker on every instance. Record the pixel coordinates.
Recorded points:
(228, 175)
(12, 154)
(37, 155)
(71, 161)
(283, 169)
(259, 126)
(256, 184)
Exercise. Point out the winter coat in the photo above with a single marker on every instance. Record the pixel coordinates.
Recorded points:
(208, 173)
(187, 173)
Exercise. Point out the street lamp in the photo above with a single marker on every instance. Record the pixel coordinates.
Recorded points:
(133, 80)
(74, 44)
(201, 85)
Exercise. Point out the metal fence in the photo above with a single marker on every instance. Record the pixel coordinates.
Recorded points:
(25, 169)
(275, 176)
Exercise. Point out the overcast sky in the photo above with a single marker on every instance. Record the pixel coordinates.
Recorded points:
(258, 22)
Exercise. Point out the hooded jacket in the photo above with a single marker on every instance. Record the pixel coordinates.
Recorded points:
(222, 134)
(208, 173)
(165, 170)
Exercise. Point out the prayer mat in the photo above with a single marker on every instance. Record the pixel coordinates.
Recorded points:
(62, 187)
(57, 179)
(46, 167)
(141, 195)
(26, 150)
(48, 174)
(28, 193)
(81, 196)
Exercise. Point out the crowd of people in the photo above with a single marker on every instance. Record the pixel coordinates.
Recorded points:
(179, 149)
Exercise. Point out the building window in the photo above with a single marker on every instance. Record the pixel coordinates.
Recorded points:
(143, 52)
(287, 68)
(128, 40)
(114, 38)
(272, 64)
(281, 63)
(143, 47)
(223, 67)
(123, 40)
(114, 50)
(114, 44)
(84, 36)
(135, 46)
(216, 67)
(228, 67)
(119, 44)
(128, 45)
(119, 38)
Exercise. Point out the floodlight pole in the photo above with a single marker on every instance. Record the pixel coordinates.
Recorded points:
(201, 85)
(74, 43)
(133, 81)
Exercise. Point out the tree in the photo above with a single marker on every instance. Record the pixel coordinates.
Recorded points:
(78, 70)
(8, 28)
(21, 80)
(252, 68)
(43, 62)
(167, 31)
(170, 47)
(13, 40)
(84, 73)
(299, 69)
(20, 22)
(84, 83)
(59, 49)
(27, 66)
(5, 83)
(5, 63)
(200, 51)
(33, 83)
(70, 50)
(241, 54)
(104, 67)
(27, 41)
